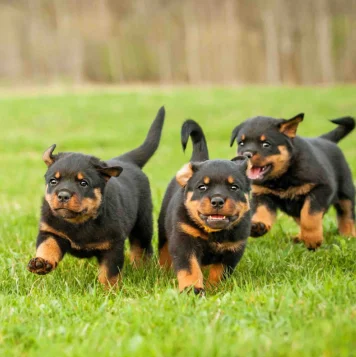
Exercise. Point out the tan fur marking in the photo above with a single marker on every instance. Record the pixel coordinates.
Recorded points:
(44, 227)
(192, 231)
(80, 176)
(311, 226)
(165, 259)
(216, 273)
(57, 175)
(105, 279)
(230, 246)
(263, 137)
(230, 180)
(290, 193)
(265, 216)
(243, 137)
(50, 251)
(346, 224)
(137, 255)
(184, 174)
(191, 277)
(206, 180)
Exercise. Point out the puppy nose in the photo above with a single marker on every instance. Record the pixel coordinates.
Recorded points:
(248, 154)
(64, 196)
(217, 202)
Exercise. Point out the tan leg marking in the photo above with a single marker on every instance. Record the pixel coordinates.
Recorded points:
(346, 223)
(165, 259)
(137, 255)
(191, 277)
(50, 251)
(265, 216)
(215, 274)
(104, 277)
(311, 226)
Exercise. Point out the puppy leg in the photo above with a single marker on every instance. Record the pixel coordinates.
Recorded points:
(141, 238)
(165, 259)
(50, 251)
(186, 264)
(111, 263)
(311, 218)
(346, 217)
(264, 215)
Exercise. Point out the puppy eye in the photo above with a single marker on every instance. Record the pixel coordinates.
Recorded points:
(234, 188)
(83, 183)
(241, 143)
(203, 188)
(53, 182)
(266, 144)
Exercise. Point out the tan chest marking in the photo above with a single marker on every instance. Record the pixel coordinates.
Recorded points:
(289, 193)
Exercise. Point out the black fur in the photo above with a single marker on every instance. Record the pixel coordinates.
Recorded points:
(315, 173)
(192, 129)
(123, 206)
(206, 242)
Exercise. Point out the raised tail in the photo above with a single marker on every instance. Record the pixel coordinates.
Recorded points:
(143, 153)
(345, 126)
(200, 149)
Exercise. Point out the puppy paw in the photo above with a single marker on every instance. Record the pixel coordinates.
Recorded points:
(313, 245)
(39, 266)
(199, 292)
(258, 229)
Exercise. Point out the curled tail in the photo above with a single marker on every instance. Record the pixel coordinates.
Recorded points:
(345, 126)
(200, 149)
(143, 153)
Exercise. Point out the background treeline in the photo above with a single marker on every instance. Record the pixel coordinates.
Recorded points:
(178, 41)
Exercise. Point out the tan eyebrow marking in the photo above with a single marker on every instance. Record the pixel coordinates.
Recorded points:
(80, 176)
(263, 137)
(230, 179)
(57, 175)
(206, 180)
(243, 137)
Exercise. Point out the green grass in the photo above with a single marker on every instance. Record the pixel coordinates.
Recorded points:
(282, 299)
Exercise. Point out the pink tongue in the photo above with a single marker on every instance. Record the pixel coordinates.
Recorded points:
(254, 172)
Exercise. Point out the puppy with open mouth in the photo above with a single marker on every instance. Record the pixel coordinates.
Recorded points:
(207, 217)
(91, 206)
(302, 177)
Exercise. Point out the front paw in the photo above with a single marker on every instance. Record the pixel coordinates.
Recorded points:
(258, 229)
(39, 266)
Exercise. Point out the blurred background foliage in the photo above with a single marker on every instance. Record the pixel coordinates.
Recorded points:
(178, 41)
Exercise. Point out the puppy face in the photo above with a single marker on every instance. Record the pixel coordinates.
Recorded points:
(216, 192)
(75, 184)
(268, 143)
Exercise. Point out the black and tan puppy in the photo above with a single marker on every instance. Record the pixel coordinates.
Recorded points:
(207, 218)
(91, 206)
(300, 176)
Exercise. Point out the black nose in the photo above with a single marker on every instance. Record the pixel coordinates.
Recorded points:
(64, 196)
(248, 154)
(217, 202)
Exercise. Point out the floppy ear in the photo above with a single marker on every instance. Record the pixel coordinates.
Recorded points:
(234, 134)
(186, 172)
(112, 171)
(48, 156)
(289, 127)
(243, 161)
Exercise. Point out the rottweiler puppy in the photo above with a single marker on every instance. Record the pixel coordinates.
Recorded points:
(207, 217)
(300, 176)
(91, 206)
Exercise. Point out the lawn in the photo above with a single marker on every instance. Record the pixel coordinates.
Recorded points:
(282, 299)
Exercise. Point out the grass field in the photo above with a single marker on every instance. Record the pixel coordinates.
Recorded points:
(282, 300)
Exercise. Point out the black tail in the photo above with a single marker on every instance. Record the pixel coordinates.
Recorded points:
(345, 126)
(200, 148)
(143, 153)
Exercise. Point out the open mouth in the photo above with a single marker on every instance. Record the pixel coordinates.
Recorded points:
(258, 172)
(217, 221)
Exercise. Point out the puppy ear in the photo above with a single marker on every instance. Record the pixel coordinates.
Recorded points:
(48, 156)
(243, 161)
(186, 172)
(289, 127)
(234, 134)
(111, 171)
